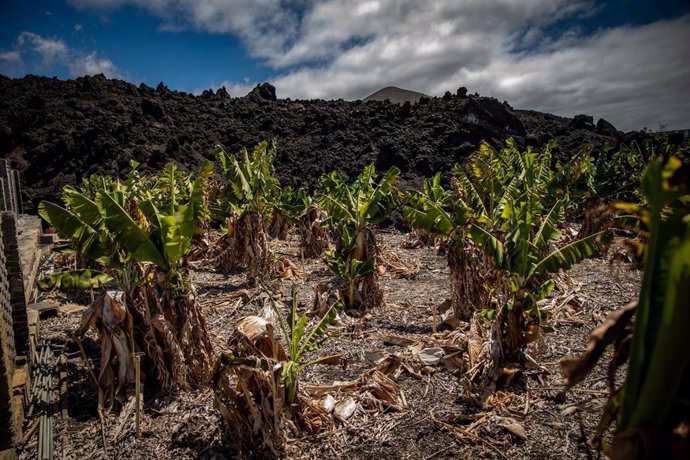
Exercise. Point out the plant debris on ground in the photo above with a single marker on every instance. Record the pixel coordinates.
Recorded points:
(398, 390)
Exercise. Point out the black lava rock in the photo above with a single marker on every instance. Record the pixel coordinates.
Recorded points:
(264, 91)
(605, 128)
(57, 132)
(583, 122)
(153, 108)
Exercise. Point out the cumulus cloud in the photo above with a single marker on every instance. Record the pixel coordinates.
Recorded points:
(11, 57)
(52, 52)
(633, 76)
(265, 26)
(49, 49)
(91, 64)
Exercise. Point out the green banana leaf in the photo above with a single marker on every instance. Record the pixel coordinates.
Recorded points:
(82, 237)
(667, 366)
(472, 198)
(198, 195)
(82, 206)
(491, 245)
(570, 254)
(663, 310)
(128, 234)
(318, 337)
(65, 222)
(547, 230)
(433, 218)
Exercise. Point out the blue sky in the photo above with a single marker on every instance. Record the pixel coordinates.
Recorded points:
(134, 41)
(624, 60)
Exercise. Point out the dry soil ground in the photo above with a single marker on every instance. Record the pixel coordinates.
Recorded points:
(555, 426)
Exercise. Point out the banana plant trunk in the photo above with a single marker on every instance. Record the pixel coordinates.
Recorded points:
(246, 245)
(279, 226)
(177, 325)
(170, 331)
(468, 270)
(313, 236)
(596, 218)
(369, 286)
(511, 327)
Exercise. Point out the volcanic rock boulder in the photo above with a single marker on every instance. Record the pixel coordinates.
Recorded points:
(583, 122)
(264, 91)
(153, 108)
(605, 128)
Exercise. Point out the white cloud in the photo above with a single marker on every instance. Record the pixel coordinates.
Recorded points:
(264, 25)
(632, 76)
(52, 52)
(78, 27)
(50, 49)
(91, 64)
(11, 57)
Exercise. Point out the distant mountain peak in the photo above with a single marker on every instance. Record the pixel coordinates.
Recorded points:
(395, 95)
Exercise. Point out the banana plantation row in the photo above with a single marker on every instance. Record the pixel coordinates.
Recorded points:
(500, 219)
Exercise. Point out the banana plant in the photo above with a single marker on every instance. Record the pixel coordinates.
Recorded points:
(509, 203)
(653, 393)
(300, 341)
(519, 234)
(250, 182)
(352, 271)
(352, 211)
(249, 187)
(523, 256)
(652, 402)
(286, 209)
(494, 172)
(447, 214)
(436, 210)
(616, 174)
(140, 248)
(354, 207)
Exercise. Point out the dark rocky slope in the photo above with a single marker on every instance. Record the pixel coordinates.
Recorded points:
(56, 132)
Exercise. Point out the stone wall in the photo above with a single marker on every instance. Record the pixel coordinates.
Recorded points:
(14, 336)
(8, 433)
(14, 327)
(16, 282)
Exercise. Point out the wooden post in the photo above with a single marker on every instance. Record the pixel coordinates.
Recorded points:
(63, 386)
(301, 256)
(137, 392)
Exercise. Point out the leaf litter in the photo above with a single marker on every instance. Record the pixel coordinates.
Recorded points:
(401, 389)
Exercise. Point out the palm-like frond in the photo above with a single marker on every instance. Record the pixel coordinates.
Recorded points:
(570, 254)
(491, 245)
(128, 234)
(547, 230)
